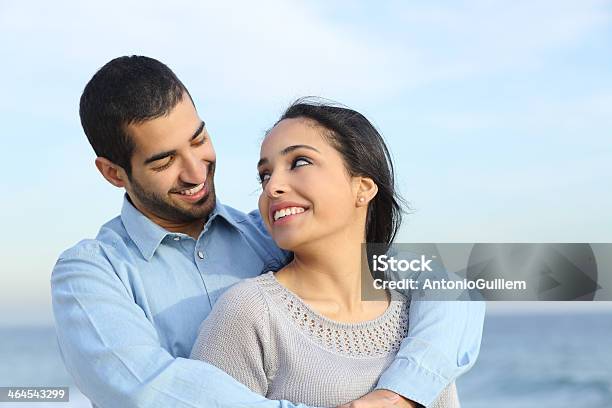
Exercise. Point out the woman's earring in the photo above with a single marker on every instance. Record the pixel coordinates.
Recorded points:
(361, 199)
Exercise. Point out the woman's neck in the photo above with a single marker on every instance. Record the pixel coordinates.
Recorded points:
(327, 275)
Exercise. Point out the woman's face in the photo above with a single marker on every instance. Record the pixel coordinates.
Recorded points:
(307, 191)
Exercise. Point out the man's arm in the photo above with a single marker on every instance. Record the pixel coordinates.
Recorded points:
(113, 351)
(443, 342)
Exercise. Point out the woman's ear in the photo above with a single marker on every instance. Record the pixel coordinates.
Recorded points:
(111, 172)
(366, 191)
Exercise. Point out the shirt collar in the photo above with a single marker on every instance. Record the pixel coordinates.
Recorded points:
(223, 211)
(147, 235)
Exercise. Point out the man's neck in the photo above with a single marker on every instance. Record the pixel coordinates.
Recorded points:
(191, 228)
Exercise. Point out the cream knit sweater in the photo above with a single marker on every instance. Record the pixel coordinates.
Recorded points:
(267, 338)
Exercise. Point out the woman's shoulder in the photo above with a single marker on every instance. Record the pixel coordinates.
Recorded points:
(245, 293)
(243, 304)
(398, 296)
(239, 320)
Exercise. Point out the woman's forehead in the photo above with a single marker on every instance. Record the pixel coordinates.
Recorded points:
(294, 131)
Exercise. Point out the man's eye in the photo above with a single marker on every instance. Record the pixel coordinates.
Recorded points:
(299, 162)
(165, 165)
(200, 141)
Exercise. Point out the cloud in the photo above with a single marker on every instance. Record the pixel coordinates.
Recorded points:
(253, 51)
(271, 51)
(470, 38)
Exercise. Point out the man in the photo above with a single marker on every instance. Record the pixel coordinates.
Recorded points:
(128, 304)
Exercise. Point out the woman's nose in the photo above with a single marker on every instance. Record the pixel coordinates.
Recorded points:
(276, 186)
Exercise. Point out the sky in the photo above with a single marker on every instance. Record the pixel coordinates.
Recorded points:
(498, 114)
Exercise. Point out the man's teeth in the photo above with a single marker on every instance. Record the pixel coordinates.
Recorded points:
(287, 211)
(192, 191)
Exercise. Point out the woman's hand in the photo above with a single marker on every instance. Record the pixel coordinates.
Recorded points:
(381, 399)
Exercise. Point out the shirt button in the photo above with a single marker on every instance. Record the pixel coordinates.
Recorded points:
(177, 238)
(200, 254)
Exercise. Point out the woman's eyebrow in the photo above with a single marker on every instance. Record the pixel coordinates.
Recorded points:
(286, 151)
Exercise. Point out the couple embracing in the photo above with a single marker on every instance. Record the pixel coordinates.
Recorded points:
(182, 301)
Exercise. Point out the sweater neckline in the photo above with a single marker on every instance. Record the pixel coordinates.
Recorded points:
(394, 303)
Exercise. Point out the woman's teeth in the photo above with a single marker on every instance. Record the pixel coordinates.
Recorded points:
(287, 211)
(192, 191)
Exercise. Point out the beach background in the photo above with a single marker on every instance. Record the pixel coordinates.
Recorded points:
(526, 360)
(497, 113)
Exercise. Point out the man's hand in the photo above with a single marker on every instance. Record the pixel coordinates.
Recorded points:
(380, 399)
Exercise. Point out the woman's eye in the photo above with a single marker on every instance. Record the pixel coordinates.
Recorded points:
(263, 177)
(300, 161)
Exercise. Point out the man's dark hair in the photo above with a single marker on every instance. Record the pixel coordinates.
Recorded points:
(365, 154)
(127, 90)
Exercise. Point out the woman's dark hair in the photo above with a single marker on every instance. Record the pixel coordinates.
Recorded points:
(126, 90)
(365, 154)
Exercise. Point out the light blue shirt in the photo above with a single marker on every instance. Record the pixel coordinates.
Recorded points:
(129, 303)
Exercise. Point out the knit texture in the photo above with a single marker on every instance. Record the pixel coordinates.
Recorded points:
(267, 338)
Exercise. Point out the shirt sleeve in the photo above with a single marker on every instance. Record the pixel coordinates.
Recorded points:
(443, 342)
(235, 337)
(113, 352)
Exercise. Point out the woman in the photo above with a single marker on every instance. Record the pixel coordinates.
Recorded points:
(304, 333)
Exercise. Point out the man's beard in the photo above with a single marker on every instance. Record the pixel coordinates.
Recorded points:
(161, 207)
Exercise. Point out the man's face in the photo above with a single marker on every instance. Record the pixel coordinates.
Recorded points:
(173, 166)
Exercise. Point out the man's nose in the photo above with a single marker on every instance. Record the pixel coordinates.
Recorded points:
(194, 170)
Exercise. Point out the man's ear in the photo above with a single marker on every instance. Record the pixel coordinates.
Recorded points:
(113, 173)
(366, 191)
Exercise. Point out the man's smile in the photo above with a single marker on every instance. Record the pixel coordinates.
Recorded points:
(192, 194)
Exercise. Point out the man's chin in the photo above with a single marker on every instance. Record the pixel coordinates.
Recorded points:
(199, 209)
(206, 200)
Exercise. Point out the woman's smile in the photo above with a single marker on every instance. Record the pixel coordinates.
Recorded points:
(283, 212)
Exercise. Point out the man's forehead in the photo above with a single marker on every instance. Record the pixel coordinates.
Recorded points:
(164, 133)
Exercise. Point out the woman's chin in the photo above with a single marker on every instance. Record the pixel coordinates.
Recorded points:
(286, 246)
(288, 243)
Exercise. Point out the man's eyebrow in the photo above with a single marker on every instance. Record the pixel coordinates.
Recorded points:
(159, 156)
(198, 131)
(165, 154)
(286, 151)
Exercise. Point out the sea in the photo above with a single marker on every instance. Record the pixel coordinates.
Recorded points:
(526, 360)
